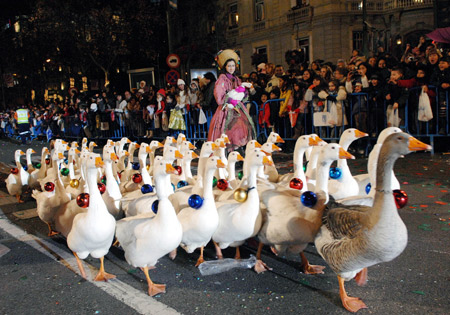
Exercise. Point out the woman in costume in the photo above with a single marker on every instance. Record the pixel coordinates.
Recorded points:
(231, 116)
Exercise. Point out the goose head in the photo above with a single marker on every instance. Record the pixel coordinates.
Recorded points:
(74, 144)
(94, 161)
(350, 135)
(170, 141)
(29, 152)
(269, 148)
(399, 144)
(214, 162)
(258, 158)
(109, 155)
(92, 145)
(155, 144)
(225, 138)
(220, 143)
(234, 156)
(386, 132)
(252, 144)
(18, 154)
(186, 146)
(181, 137)
(190, 155)
(84, 142)
(274, 138)
(208, 148)
(170, 154)
(333, 151)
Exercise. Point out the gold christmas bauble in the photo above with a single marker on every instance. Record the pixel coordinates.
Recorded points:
(74, 183)
(240, 195)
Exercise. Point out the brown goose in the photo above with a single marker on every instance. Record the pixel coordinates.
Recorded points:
(353, 238)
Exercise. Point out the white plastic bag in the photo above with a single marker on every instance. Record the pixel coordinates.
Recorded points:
(321, 119)
(217, 266)
(202, 117)
(392, 117)
(425, 113)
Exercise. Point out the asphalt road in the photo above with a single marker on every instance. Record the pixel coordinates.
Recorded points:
(39, 274)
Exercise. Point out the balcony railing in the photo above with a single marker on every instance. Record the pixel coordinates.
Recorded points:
(259, 26)
(298, 14)
(389, 5)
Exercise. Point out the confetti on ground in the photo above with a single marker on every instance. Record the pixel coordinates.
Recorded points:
(419, 292)
(425, 227)
(441, 203)
(405, 183)
(423, 206)
(430, 196)
(443, 190)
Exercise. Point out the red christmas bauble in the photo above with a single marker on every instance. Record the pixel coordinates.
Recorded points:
(401, 198)
(296, 183)
(14, 170)
(83, 200)
(47, 161)
(137, 178)
(222, 184)
(49, 186)
(119, 174)
(101, 187)
(179, 170)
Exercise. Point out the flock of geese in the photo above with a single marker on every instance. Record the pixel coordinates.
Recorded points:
(153, 206)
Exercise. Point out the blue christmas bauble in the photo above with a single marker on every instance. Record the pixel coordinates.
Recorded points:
(155, 206)
(308, 199)
(195, 201)
(136, 166)
(146, 188)
(368, 188)
(182, 183)
(25, 168)
(66, 161)
(173, 187)
(335, 173)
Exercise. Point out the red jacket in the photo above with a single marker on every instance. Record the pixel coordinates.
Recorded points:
(264, 114)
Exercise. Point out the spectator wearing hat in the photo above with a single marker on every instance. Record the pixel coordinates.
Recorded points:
(236, 123)
(261, 68)
(441, 79)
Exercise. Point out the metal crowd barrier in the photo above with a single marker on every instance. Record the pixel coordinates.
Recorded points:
(370, 117)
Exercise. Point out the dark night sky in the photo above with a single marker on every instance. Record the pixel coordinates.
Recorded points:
(11, 8)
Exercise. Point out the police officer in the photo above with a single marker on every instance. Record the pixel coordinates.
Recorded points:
(22, 116)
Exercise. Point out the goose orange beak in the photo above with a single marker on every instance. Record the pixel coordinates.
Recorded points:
(240, 157)
(220, 164)
(148, 150)
(99, 162)
(160, 145)
(416, 145)
(170, 169)
(267, 161)
(192, 147)
(257, 144)
(114, 157)
(279, 139)
(174, 140)
(137, 146)
(77, 151)
(76, 144)
(60, 156)
(21, 152)
(227, 141)
(312, 141)
(128, 141)
(32, 151)
(275, 148)
(178, 155)
(64, 142)
(222, 144)
(360, 134)
(214, 146)
(345, 155)
(127, 153)
(94, 144)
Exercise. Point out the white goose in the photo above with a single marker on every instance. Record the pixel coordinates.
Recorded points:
(199, 224)
(112, 195)
(92, 232)
(147, 238)
(14, 182)
(290, 225)
(346, 185)
(39, 172)
(353, 238)
(239, 221)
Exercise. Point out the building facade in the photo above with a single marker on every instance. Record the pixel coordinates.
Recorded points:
(323, 29)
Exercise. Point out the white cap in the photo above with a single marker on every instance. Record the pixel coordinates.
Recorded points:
(180, 81)
(262, 65)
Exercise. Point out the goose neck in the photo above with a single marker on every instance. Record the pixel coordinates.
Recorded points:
(207, 184)
(323, 170)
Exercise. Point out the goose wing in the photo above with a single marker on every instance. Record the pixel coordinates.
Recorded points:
(345, 222)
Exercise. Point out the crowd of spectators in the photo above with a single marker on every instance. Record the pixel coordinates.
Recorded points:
(384, 80)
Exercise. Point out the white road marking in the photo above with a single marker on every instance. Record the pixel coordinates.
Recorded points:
(135, 299)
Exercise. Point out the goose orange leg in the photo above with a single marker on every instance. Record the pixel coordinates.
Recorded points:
(50, 231)
(218, 251)
(80, 266)
(238, 253)
(153, 288)
(260, 266)
(361, 277)
(352, 304)
(200, 259)
(310, 269)
(19, 199)
(102, 275)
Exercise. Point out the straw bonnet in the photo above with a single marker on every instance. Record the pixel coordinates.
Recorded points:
(224, 55)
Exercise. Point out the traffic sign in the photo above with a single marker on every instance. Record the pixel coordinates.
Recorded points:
(172, 76)
(173, 60)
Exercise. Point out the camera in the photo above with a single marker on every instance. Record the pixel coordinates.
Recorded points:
(411, 58)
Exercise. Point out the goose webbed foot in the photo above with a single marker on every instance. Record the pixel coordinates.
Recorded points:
(310, 269)
(352, 304)
(261, 266)
(218, 251)
(51, 232)
(102, 274)
(361, 277)
(153, 288)
(173, 254)
(200, 259)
